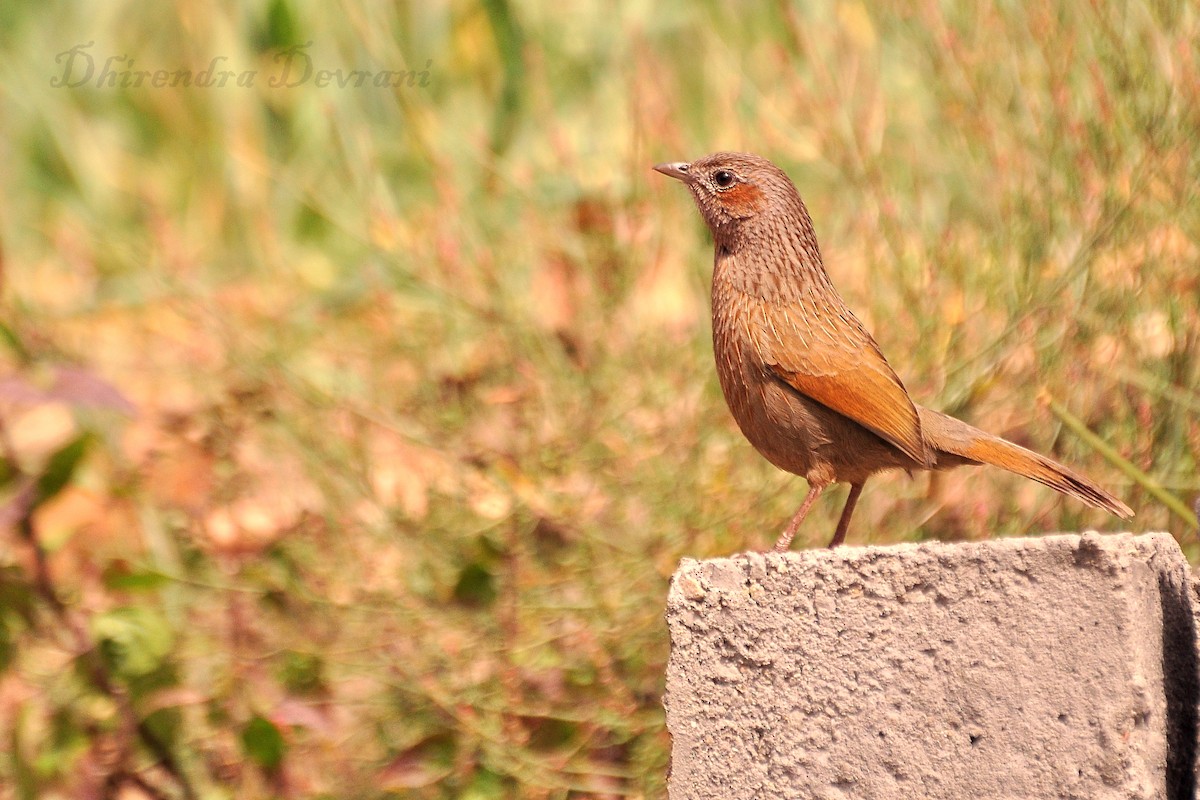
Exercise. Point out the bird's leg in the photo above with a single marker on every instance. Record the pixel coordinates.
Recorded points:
(785, 540)
(839, 535)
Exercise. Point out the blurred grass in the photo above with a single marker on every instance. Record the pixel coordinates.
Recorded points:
(426, 409)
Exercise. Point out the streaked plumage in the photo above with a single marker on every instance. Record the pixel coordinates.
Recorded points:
(806, 383)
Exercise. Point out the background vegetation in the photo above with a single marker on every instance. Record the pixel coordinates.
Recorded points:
(351, 435)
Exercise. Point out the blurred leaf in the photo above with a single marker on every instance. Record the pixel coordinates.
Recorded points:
(164, 725)
(510, 44)
(23, 772)
(8, 473)
(302, 673)
(263, 743)
(50, 168)
(9, 336)
(8, 647)
(66, 741)
(423, 764)
(311, 223)
(83, 388)
(280, 29)
(476, 586)
(118, 575)
(16, 593)
(547, 734)
(61, 468)
(133, 640)
(485, 785)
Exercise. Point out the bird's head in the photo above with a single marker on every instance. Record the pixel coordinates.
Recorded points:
(734, 190)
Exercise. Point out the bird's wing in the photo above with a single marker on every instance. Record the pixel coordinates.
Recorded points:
(821, 350)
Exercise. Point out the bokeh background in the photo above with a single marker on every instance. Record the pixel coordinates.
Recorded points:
(350, 433)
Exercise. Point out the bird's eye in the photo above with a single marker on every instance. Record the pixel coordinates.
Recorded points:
(723, 178)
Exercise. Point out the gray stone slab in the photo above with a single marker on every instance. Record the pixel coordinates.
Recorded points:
(1059, 667)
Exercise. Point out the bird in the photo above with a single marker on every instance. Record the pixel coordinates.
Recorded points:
(806, 383)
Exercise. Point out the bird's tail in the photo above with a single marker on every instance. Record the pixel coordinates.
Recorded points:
(966, 444)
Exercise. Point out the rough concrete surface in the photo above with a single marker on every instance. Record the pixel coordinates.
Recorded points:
(1054, 667)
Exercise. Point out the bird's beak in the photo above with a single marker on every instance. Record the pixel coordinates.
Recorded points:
(677, 169)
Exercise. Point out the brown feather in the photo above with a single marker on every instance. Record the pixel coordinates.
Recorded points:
(957, 438)
(805, 381)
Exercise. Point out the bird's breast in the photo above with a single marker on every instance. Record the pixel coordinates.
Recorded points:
(784, 427)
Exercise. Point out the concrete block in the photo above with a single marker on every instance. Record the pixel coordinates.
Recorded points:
(1053, 667)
